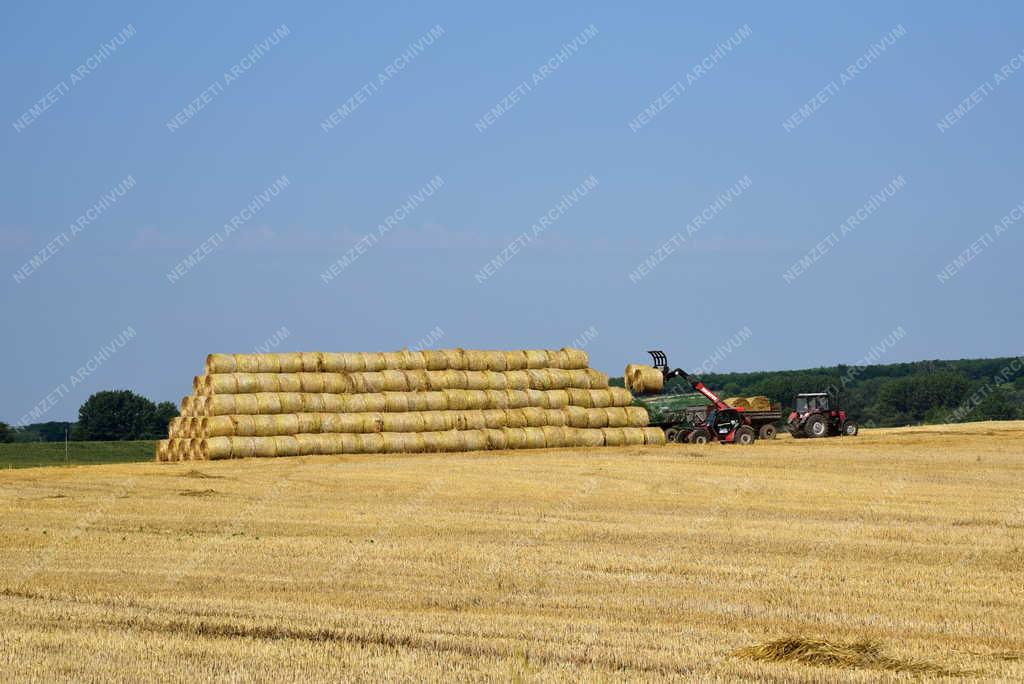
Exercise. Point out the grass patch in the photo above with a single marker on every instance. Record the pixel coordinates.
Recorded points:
(37, 454)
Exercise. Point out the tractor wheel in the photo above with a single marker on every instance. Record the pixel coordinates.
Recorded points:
(850, 428)
(745, 435)
(683, 436)
(816, 427)
(767, 432)
(670, 434)
(700, 437)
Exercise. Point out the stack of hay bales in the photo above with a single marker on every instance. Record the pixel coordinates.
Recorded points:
(758, 403)
(408, 401)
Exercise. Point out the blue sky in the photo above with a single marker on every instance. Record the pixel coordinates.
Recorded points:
(112, 121)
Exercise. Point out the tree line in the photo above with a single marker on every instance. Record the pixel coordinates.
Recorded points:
(110, 415)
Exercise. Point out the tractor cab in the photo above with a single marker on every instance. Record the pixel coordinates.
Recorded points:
(812, 402)
(723, 421)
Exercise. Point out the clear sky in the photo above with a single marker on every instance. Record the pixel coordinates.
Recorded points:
(182, 115)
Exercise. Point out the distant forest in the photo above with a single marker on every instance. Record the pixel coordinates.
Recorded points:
(892, 394)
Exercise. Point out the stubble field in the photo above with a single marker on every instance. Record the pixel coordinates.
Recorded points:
(603, 564)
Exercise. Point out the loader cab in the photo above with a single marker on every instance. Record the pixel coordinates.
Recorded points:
(723, 421)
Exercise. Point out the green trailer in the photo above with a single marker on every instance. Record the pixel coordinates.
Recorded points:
(678, 414)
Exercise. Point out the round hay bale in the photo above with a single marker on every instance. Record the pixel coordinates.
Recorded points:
(267, 404)
(313, 403)
(476, 360)
(334, 362)
(204, 427)
(620, 396)
(517, 380)
(474, 440)
(220, 363)
(576, 416)
(291, 402)
(286, 445)
(477, 380)
(289, 362)
(336, 422)
(396, 402)
(311, 382)
(413, 360)
(369, 362)
(435, 360)
(555, 417)
(417, 380)
(496, 361)
(534, 415)
(643, 379)
(456, 400)
(597, 418)
(614, 436)
(557, 399)
(309, 422)
(418, 401)
(450, 440)
(515, 438)
(370, 443)
(560, 379)
(243, 447)
(515, 418)
(308, 444)
(285, 423)
(312, 362)
(243, 425)
(738, 402)
(575, 358)
(580, 397)
(474, 419)
(336, 383)
(634, 436)
(515, 360)
(392, 360)
(494, 418)
(540, 379)
(636, 416)
(538, 398)
(534, 438)
(262, 426)
(617, 416)
(589, 438)
(436, 421)
(554, 436)
(264, 447)
(653, 435)
(402, 422)
(497, 399)
(496, 439)
(247, 363)
(516, 398)
(186, 406)
(536, 358)
(372, 422)
(219, 406)
(455, 359)
(198, 382)
(246, 404)
(174, 426)
(222, 384)
(495, 381)
(395, 381)
(598, 380)
(248, 383)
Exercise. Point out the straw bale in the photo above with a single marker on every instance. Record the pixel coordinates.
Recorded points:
(402, 422)
(643, 379)
(759, 403)
(536, 358)
(554, 436)
(395, 381)
(413, 360)
(494, 418)
(541, 379)
(474, 440)
(534, 415)
(246, 363)
(738, 402)
(435, 359)
(289, 382)
(557, 399)
(264, 446)
(243, 447)
(220, 363)
(312, 362)
(417, 380)
(291, 402)
(653, 435)
(437, 421)
(576, 416)
(286, 445)
(515, 418)
(496, 439)
(597, 418)
(620, 396)
(396, 401)
(574, 358)
(614, 436)
(308, 444)
(581, 397)
(515, 437)
(475, 360)
(598, 380)
(311, 382)
(289, 362)
(515, 360)
(534, 438)
(314, 403)
(369, 443)
(634, 436)
(267, 403)
(218, 426)
(517, 399)
(470, 420)
(455, 359)
(186, 406)
(392, 360)
(555, 417)
(310, 422)
(589, 438)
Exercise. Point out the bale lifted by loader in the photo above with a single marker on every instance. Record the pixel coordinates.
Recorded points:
(719, 422)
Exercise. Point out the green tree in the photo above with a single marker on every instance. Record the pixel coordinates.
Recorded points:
(165, 411)
(116, 415)
(6, 434)
(996, 406)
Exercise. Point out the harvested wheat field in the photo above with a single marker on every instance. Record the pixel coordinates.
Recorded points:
(896, 554)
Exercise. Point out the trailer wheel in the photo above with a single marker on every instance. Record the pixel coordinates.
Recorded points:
(767, 431)
(745, 435)
(670, 434)
(850, 428)
(682, 436)
(816, 427)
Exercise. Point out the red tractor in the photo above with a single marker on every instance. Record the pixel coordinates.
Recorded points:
(818, 414)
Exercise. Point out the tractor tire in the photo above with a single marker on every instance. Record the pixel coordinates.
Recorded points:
(682, 436)
(850, 429)
(767, 432)
(670, 434)
(816, 427)
(745, 435)
(699, 437)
